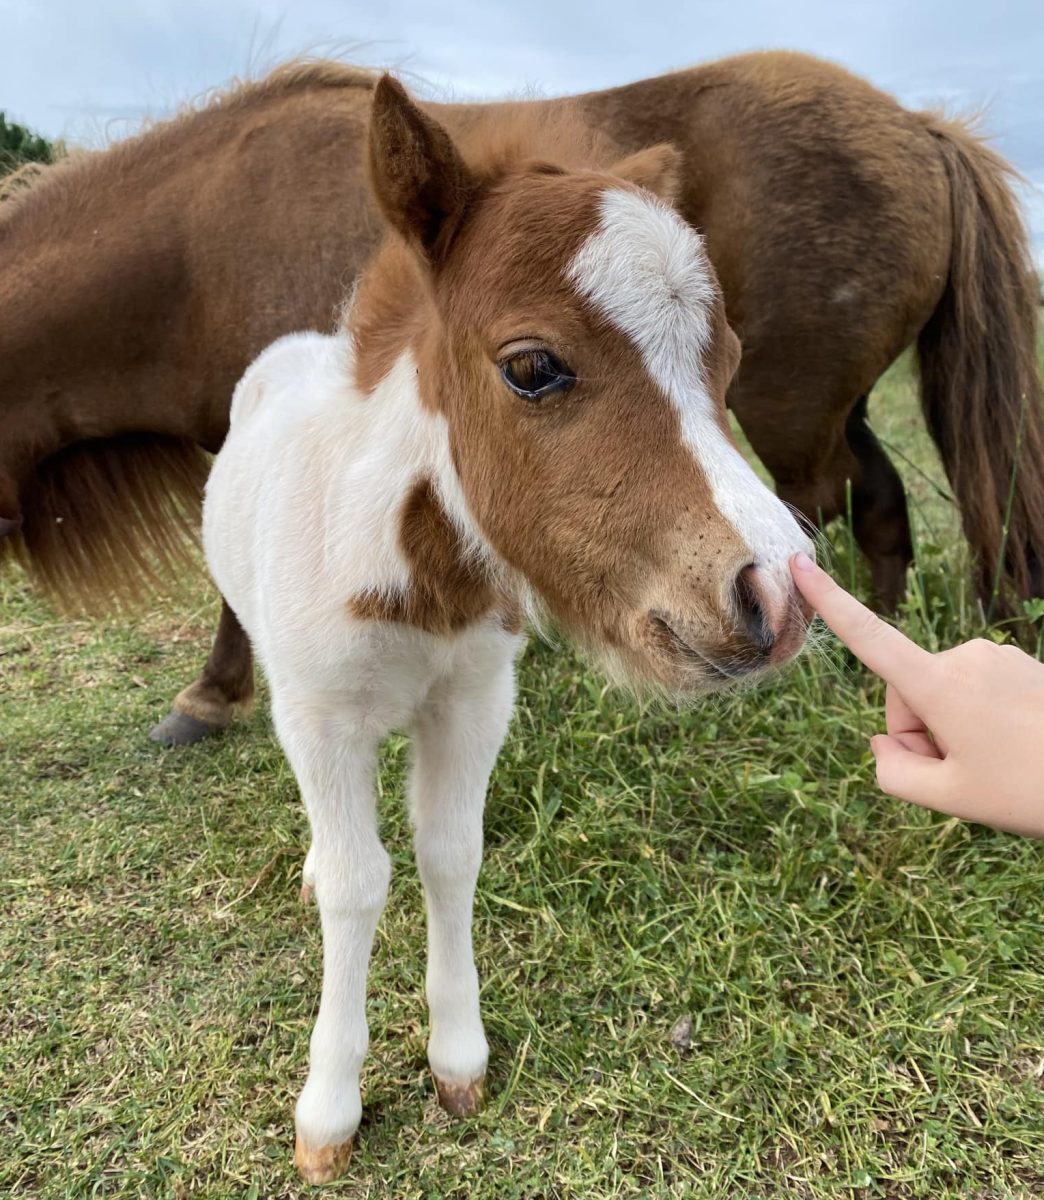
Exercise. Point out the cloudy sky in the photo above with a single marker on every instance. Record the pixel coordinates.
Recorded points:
(91, 71)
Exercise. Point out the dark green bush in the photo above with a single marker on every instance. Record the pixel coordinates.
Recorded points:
(19, 145)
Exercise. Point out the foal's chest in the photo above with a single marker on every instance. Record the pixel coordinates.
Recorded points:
(391, 670)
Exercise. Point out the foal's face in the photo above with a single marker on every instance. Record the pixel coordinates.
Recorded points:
(581, 358)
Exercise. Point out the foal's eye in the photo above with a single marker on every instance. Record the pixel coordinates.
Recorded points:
(534, 374)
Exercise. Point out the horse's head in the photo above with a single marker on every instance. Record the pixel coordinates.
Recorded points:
(575, 341)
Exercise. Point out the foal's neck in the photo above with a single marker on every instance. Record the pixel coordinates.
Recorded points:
(454, 582)
(388, 315)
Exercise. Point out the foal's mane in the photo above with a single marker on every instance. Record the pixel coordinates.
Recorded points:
(507, 136)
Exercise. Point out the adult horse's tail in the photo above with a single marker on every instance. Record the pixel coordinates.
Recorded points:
(109, 520)
(980, 387)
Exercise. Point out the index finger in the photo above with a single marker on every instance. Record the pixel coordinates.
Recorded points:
(874, 642)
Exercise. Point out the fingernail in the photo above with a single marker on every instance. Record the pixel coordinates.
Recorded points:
(802, 562)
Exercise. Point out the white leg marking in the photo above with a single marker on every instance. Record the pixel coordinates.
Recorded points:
(335, 761)
(457, 735)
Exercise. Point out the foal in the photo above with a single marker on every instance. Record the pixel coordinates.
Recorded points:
(524, 413)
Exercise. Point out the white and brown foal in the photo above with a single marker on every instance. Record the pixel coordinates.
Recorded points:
(524, 413)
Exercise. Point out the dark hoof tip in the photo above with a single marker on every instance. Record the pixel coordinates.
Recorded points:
(461, 1099)
(322, 1164)
(9, 525)
(179, 729)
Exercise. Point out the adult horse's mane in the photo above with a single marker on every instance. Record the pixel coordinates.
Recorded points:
(156, 134)
(291, 76)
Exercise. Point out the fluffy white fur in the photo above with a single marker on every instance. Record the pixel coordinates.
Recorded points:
(302, 513)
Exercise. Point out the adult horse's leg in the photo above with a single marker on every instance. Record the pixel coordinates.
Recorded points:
(880, 519)
(224, 688)
(813, 452)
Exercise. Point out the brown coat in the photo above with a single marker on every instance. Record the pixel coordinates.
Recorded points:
(139, 282)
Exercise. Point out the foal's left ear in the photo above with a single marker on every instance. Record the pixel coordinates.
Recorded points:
(656, 168)
(421, 183)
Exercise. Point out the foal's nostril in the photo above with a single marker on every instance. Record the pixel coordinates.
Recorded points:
(751, 614)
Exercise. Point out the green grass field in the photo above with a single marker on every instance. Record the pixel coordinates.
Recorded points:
(716, 961)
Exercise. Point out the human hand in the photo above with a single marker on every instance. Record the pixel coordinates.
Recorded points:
(965, 728)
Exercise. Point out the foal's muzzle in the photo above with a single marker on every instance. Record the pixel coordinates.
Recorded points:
(764, 626)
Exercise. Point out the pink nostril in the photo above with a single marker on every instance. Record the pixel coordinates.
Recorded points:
(751, 611)
(771, 612)
(805, 611)
(797, 616)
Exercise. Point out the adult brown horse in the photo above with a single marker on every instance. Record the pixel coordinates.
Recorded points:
(139, 282)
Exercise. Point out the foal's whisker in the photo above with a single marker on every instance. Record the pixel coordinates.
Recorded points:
(824, 549)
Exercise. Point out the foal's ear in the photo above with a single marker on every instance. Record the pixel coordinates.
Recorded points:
(657, 168)
(421, 183)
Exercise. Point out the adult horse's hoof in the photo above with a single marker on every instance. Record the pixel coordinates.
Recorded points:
(321, 1164)
(461, 1099)
(179, 729)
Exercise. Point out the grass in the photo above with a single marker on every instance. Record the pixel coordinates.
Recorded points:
(716, 961)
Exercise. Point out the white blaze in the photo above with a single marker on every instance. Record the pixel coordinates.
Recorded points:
(647, 271)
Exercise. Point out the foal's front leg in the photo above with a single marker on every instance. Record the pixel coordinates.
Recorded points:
(334, 760)
(456, 737)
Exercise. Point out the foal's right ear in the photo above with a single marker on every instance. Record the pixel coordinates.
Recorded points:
(421, 183)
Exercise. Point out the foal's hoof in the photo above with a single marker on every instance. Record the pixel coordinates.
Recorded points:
(461, 1099)
(179, 729)
(9, 525)
(321, 1164)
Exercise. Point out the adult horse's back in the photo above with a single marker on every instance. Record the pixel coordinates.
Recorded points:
(138, 283)
(844, 227)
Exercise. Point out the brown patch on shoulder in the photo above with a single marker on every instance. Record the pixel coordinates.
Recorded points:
(447, 590)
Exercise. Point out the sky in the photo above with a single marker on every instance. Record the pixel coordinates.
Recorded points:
(90, 72)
